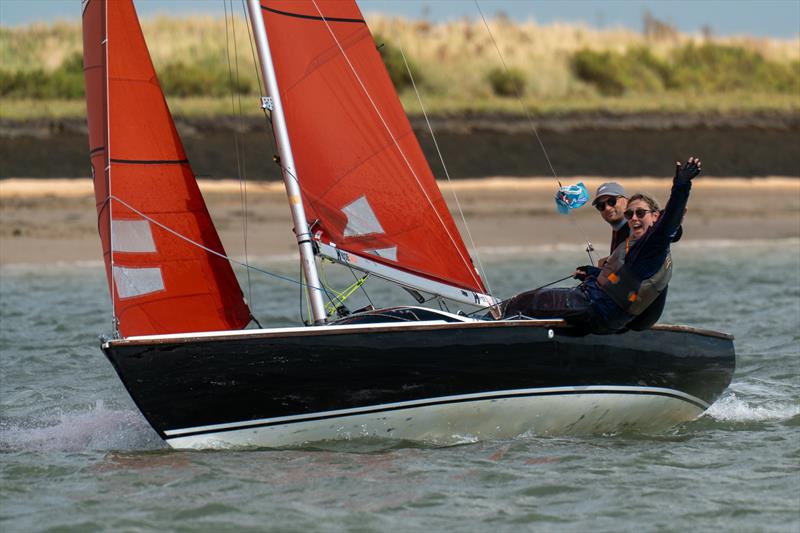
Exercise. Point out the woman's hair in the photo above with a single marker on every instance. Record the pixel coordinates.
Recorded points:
(646, 198)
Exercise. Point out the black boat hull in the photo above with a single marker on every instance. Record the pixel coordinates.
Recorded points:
(431, 381)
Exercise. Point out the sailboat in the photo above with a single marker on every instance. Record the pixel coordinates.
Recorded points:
(360, 193)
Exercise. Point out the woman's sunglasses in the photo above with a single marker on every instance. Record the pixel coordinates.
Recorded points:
(602, 204)
(640, 213)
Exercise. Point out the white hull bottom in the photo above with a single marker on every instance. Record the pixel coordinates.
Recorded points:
(597, 411)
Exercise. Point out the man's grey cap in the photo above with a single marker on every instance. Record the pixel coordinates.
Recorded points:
(611, 188)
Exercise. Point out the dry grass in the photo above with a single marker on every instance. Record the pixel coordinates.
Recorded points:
(540, 52)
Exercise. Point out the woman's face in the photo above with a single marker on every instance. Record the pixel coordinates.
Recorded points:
(639, 225)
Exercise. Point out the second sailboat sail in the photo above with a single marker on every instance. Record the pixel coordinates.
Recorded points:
(164, 260)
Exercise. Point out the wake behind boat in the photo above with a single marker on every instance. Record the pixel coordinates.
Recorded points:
(352, 165)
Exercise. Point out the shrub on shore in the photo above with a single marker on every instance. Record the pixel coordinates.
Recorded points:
(709, 68)
(504, 82)
(180, 79)
(66, 81)
(393, 61)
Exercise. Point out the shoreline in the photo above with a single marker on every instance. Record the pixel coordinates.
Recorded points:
(46, 221)
(77, 187)
(473, 145)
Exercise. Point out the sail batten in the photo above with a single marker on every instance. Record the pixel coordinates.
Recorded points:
(362, 173)
(154, 226)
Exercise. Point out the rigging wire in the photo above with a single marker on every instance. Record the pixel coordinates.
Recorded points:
(519, 95)
(274, 141)
(500, 303)
(342, 295)
(467, 263)
(589, 247)
(364, 290)
(276, 159)
(238, 147)
(304, 299)
(447, 173)
(250, 38)
(206, 248)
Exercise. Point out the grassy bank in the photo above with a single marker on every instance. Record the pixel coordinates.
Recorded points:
(558, 68)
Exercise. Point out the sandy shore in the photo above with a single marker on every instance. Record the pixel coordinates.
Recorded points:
(46, 221)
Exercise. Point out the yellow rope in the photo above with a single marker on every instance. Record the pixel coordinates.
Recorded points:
(341, 296)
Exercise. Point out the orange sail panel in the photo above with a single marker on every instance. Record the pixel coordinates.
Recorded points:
(361, 171)
(148, 201)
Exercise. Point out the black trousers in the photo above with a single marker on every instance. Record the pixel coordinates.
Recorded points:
(570, 304)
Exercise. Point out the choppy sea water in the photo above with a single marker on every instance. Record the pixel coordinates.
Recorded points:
(76, 455)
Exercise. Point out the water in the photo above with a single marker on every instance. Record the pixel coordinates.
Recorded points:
(77, 455)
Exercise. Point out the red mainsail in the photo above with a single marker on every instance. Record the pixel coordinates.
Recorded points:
(148, 201)
(362, 173)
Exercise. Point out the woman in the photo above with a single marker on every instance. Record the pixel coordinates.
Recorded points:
(632, 278)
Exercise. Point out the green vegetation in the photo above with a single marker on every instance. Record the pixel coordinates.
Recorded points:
(504, 82)
(400, 75)
(709, 68)
(557, 68)
(66, 81)
(715, 68)
(182, 80)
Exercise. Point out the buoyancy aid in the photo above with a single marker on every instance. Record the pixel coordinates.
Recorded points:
(632, 294)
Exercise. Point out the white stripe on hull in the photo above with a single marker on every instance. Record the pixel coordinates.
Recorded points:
(464, 421)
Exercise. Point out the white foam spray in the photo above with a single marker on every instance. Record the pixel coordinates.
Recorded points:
(98, 428)
(732, 409)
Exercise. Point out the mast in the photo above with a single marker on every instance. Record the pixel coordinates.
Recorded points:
(104, 44)
(288, 169)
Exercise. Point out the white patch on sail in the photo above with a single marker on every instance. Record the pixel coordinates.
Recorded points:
(361, 219)
(386, 253)
(132, 236)
(132, 282)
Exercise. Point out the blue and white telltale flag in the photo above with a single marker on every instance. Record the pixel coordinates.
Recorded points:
(571, 197)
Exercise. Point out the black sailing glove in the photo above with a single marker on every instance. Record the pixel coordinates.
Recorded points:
(582, 272)
(684, 173)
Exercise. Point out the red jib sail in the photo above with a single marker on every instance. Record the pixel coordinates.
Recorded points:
(361, 171)
(148, 203)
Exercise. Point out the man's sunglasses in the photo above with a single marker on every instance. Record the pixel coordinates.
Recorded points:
(640, 213)
(602, 203)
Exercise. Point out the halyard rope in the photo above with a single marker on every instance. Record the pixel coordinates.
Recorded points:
(447, 174)
(239, 149)
(589, 247)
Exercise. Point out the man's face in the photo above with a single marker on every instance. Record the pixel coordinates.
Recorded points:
(612, 214)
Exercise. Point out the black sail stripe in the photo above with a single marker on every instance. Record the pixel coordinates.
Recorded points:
(95, 150)
(312, 17)
(151, 161)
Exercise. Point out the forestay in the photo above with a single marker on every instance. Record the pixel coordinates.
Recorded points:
(363, 176)
(146, 192)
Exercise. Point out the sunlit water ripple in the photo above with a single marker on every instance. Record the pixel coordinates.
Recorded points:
(77, 455)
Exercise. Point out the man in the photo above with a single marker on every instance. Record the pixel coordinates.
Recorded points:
(634, 276)
(612, 202)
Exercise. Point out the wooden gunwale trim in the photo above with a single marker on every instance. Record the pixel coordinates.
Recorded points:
(394, 327)
(690, 329)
